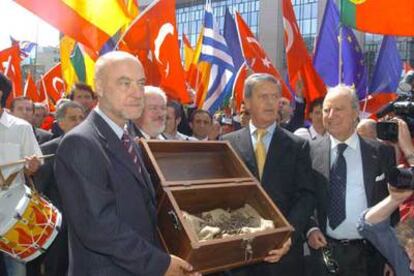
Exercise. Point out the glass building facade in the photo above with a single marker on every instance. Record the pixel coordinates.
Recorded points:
(306, 12)
(190, 16)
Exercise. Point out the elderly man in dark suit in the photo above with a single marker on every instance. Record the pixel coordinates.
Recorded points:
(350, 174)
(107, 195)
(281, 161)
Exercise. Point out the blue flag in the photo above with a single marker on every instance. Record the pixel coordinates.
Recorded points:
(326, 57)
(232, 39)
(388, 69)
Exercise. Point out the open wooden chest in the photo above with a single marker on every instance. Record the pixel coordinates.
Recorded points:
(201, 176)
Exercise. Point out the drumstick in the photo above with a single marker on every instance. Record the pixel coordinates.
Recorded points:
(18, 162)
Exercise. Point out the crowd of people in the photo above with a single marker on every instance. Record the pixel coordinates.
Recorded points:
(328, 175)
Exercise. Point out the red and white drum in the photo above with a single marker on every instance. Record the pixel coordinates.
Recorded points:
(28, 223)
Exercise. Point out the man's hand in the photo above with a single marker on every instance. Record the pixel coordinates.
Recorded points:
(316, 239)
(180, 267)
(299, 88)
(32, 164)
(275, 255)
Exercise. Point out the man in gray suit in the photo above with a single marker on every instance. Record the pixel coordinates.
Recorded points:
(107, 195)
(350, 173)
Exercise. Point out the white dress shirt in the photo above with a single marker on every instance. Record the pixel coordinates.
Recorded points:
(17, 141)
(308, 133)
(267, 138)
(119, 131)
(356, 199)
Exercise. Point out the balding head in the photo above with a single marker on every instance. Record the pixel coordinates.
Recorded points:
(119, 83)
(340, 112)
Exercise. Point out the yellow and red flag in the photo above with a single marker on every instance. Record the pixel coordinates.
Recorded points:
(93, 23)
(379, 16)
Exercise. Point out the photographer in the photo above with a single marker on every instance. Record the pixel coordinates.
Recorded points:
(395, 244)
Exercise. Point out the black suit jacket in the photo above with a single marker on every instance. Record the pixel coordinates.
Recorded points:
(377, 158)
(287, 179)
(42, 135)
(109, 206)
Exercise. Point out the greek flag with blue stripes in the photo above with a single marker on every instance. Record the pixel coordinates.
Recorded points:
(214, 50)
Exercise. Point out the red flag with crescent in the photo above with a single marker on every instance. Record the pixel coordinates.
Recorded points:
(153, 37)
(52, 85)
(254, 54)
(299, 63)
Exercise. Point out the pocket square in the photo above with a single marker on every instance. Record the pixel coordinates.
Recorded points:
(380, 177)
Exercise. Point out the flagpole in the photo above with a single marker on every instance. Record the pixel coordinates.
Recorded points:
(340, 54)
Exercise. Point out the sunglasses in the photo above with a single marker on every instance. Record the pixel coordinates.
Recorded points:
(330, 263)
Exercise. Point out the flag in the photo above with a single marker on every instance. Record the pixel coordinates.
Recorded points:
(326, 57)
(93, 23)
(379, 16)
(254, 54)
(386, 76)
(232, 39)
(52, 85)
(188, 53)
(30, 90)
(231, 36)
(153, 38)
(77, 65)
(10, 65)
(196, 71)
(299, 63)
(217, 57)
(238, 86)
(25, 46)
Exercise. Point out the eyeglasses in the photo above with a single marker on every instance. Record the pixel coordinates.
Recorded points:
(330, 263)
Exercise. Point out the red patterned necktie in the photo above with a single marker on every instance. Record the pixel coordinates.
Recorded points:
(129, 146)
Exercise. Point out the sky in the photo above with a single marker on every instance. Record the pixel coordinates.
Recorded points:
(21, 24)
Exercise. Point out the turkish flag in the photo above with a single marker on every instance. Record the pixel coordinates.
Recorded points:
(153, 38)
(255, 55)
(238, 86)
(53, 86)
(299, 63)
(30, 90)
(10, 64)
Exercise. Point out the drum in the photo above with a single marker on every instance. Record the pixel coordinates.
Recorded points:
(28, 223)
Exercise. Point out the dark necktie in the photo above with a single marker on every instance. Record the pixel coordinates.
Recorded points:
(337, 188)
(129, 146)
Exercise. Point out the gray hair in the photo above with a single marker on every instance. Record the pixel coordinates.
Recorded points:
(153, 90)
(254, 79)
(350, 90)
(64, 106)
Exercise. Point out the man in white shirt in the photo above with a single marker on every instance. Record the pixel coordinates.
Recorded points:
(316, 130)
(17, 141)
(174, 116)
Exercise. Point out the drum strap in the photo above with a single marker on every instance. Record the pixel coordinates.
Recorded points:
(5, 183)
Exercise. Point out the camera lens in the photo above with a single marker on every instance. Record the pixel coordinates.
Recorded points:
(402, 178)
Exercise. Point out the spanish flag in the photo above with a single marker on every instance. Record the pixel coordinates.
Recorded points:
(379, 16)
(91, 23)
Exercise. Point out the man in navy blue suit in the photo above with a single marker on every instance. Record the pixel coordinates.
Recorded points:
(107, 195)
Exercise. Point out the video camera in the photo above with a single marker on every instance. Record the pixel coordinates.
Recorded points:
(401, 178)
(403, 107)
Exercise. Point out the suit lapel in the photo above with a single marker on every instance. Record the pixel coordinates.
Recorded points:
(246, 150)
(278, 149)
(112, 144)
(369, 160)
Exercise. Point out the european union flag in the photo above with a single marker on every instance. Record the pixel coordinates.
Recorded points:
(388, 69)
(326, 57)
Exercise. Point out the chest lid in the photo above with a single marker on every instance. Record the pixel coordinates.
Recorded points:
(177, 163)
